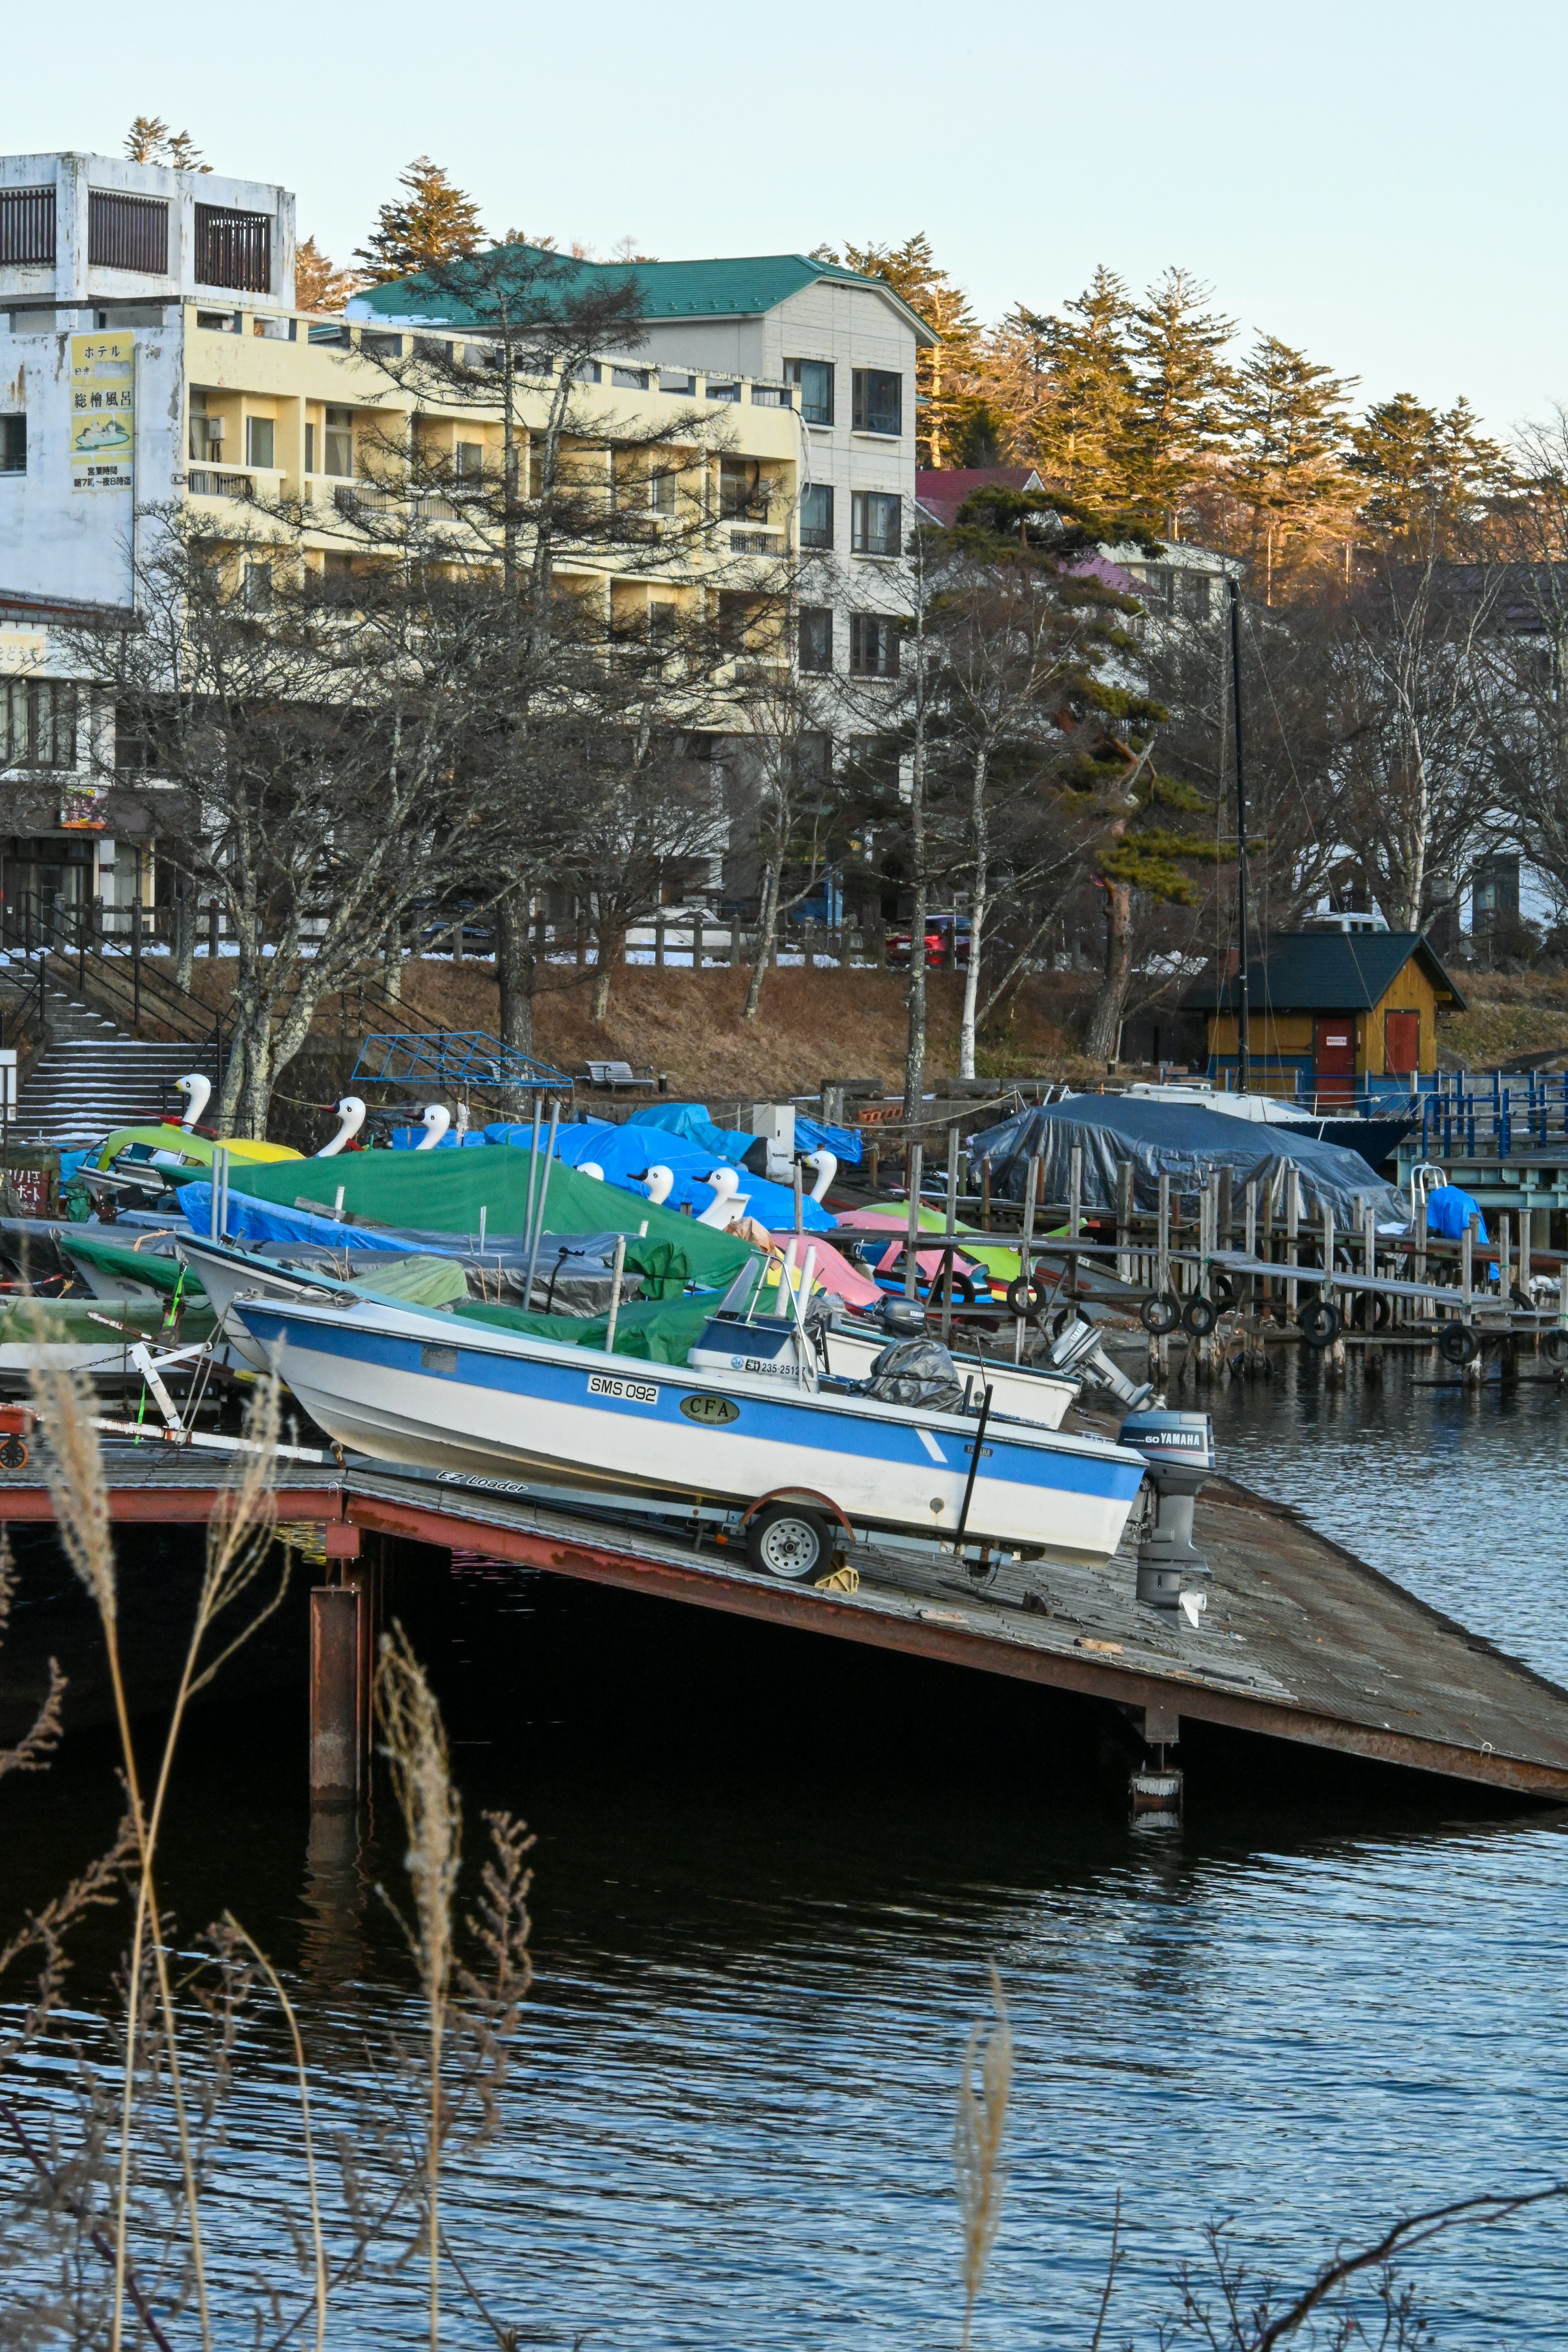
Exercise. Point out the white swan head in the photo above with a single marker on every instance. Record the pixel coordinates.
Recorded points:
(729, 1200)
(435, 1118)
(660, 1183)
(826, 1166)
(351, 1118)
(197, 1092)
(590, 1168)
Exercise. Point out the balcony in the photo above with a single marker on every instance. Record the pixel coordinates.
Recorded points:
(757, 542)
(233, 482)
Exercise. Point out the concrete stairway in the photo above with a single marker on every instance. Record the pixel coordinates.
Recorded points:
(93, 1076)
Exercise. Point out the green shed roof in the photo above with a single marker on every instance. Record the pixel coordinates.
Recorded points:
(738, 287)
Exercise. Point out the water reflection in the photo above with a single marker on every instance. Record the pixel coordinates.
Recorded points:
(771, 1874)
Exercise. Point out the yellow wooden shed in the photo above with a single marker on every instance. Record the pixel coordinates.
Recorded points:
(1335, 1016)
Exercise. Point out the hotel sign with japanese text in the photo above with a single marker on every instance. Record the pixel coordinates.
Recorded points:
(102, 412)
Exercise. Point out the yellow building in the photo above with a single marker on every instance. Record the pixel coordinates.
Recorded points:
(1336, 1016)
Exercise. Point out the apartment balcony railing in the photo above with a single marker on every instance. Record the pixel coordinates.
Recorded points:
(757, 542)
(234, 481)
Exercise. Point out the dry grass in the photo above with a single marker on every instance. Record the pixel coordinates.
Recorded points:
(978, 2145)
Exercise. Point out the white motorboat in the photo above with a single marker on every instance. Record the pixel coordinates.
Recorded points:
(433, 1391)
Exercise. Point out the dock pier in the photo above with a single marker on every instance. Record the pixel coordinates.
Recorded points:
(1300, 1640)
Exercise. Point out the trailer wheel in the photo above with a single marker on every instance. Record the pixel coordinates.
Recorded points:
(787, 1540)
(1161, 1316)
(1457, 1344)
(1319, 1323)
(1199, 1316)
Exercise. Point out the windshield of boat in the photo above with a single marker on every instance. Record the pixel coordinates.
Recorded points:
(742, 1291)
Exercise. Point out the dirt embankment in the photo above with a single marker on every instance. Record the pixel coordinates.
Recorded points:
(1509, 1016)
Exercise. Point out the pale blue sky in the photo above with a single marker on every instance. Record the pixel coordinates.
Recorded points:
(1380, 183)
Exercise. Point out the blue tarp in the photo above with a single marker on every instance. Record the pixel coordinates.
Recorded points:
(691, 1121)
(252, 1220)
(845, 1142)
(1180, 1140)
(1449, 1210)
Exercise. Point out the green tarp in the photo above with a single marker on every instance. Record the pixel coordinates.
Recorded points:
(100, 1322)
(159, 1274)
(659, 1331)
(417, 1281)
(444, 1192)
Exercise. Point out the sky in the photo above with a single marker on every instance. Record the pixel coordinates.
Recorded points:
(1378, 183)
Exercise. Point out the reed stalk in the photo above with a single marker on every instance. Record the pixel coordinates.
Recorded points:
(978, 2145)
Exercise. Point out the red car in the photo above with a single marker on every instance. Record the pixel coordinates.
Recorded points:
(940, 931)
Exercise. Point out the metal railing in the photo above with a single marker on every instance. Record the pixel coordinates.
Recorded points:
(1497, 1118)
(130, 985)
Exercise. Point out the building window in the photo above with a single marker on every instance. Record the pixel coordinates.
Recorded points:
(876, 523)
(629, 379)
(815, 637)
(26, 225)
(257, 587)
(258, 440)
(37, 723)
(879, 400)
(468, 460)
(817, 515)
(723, 391)
(13, 444)
(873, 644)
(338, 440)
(661, 490)
(207, 432)
(310, 448)
(1193, 590)
(743, 495)
(234, 249)
(683, 386)
(814, 378)
(128, 233)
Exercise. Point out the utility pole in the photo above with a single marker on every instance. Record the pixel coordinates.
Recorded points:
(1243, 1006)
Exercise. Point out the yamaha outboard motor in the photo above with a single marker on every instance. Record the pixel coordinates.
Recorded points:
(1178, 1448)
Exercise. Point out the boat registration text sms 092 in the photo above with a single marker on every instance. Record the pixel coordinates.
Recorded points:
(629, 1392)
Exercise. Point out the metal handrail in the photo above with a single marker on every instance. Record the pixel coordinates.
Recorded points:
(33, 925)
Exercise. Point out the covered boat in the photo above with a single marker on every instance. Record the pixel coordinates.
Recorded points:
(1182, 1141)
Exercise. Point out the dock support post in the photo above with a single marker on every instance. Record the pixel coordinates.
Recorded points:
(339, 1674)
(1125, 1220)
(1161, 1349)
(1154, 1792)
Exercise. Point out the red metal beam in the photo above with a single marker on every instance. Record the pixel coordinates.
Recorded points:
(953, 1644)
(169, 1506)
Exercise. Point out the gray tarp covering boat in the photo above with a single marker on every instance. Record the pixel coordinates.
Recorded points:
(1182, 1141)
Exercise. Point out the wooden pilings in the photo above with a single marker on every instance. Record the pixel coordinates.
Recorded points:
(342, 1664)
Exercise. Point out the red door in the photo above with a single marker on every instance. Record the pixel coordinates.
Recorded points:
(1402, 1044)
(1334, 1058)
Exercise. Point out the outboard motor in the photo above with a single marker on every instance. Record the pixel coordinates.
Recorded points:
(1078, 1351)
(1178, 1448)
(903, 1319)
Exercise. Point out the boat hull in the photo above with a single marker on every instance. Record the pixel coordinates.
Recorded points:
(430, 1393)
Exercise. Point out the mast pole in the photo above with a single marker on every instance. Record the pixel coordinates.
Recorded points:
(1243, 1009)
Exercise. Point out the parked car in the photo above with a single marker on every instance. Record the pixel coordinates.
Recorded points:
(939, 931)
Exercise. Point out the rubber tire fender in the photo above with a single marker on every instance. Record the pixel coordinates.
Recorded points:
(1457, 1344)
(1319, 1323)
(1161, 1316)
(1025, 1298)
(1556, 1347)
(1199, 1316)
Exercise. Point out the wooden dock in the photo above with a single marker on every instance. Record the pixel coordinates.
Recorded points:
(1300, 1640)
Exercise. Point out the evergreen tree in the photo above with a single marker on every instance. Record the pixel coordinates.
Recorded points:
(1422, 473)
(1084, 435)
(1184, 384)
(151, 141)
(1287, 428)
(433, 223)
(946, 374)
(318, 284)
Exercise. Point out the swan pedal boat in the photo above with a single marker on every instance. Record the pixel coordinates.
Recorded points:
(424, 1390)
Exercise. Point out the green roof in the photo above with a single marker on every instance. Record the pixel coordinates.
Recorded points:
(1325, 972)
(742, 287)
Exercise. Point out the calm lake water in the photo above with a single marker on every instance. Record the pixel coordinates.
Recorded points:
(771, 1878)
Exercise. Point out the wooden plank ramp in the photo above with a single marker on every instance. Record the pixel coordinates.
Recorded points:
(1300, 1640)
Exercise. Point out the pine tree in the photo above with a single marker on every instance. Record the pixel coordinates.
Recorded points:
(317, 285)
(1425, 474)
(151, 141)
(947, 374)
(1287, 428)
(1184, 384)
(1087, 444)
(434, 222)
